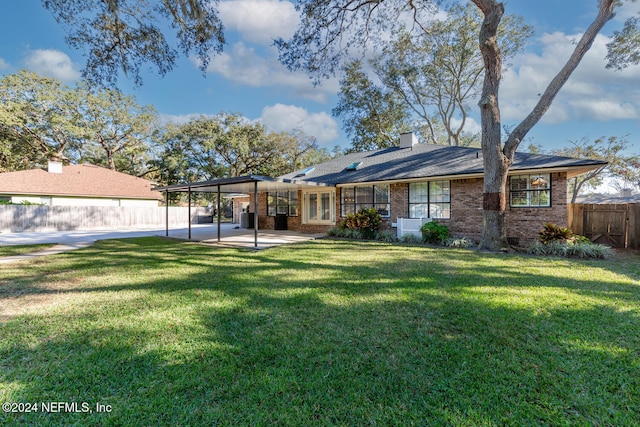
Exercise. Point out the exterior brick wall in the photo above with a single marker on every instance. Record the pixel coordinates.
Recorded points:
(523, 224)
(399, 201)
(466, 208)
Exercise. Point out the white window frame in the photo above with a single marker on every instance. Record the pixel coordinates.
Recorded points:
(306, 208)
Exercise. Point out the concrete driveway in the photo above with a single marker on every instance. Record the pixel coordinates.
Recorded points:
(230, 234)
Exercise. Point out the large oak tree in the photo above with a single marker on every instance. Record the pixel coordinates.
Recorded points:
(333, 30)
(129, 35)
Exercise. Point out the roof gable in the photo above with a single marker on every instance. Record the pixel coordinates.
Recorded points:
(77, 181)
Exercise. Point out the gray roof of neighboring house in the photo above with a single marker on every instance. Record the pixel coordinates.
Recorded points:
(608, 199)
(427, 161)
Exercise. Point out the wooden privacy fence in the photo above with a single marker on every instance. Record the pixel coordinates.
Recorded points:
(615, 225)
(21, 218)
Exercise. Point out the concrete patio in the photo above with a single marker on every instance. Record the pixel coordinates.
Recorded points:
(232, 235)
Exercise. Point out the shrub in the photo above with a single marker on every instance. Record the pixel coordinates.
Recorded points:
(576, 238)
(570, 249)
(386, 236)
(552, 233)
(334, 232)
(411, 239)
(588, 250)
(537, 248)
(432, 232)
(366, 221)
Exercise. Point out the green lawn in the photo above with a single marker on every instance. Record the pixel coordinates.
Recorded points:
(12, 250)
(320, 333)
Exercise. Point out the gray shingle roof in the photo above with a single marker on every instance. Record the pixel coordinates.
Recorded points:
(426, 161)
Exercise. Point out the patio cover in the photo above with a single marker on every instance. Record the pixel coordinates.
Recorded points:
(241, 184)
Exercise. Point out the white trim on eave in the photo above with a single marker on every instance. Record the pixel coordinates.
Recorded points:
(571, 172)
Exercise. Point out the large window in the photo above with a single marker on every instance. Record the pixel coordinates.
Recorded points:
(365, 196)
(282, 203)
(430, 199)
(530, 190)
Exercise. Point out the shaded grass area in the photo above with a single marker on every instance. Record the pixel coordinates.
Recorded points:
(11, 250)
(320, 333)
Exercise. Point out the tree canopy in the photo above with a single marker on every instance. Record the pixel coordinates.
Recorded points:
(332, 30)
(42, 119)
(39, 119)
(229, 145)
(129, 35)
(426, 84)
(612, 149)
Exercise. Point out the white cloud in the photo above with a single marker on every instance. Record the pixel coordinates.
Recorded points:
(244, 66)
(591, 93)
(280, 117)
(180, 119)
(3, 64)
(470, 125)
(260, 21)
(52, 63)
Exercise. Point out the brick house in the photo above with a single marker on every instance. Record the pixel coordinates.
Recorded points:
(409, 184)
(421, 182)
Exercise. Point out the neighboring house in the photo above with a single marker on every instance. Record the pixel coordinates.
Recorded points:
(608, 199)
(76, 185)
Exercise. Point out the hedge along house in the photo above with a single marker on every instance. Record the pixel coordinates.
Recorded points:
(423, 182)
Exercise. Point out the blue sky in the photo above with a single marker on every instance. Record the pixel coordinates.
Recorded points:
(248, 79)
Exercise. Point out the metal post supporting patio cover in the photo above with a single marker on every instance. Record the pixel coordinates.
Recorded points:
(218, 211)
(189, 214)
(255, 213)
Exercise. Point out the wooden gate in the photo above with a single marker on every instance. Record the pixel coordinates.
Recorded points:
(607, 224)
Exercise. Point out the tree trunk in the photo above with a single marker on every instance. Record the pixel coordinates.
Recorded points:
(496, 165)
(497, 159)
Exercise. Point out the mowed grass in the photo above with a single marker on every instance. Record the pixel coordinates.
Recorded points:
(11, 250)
(321, 333)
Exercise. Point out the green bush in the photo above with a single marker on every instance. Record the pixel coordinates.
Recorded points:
(560, 241)
(334, 232)
(386, 236)
(570, 249)
(553, 233)
(588, 250)
(576, 238)
(367, 221)
(411, 239)
(432, 232)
